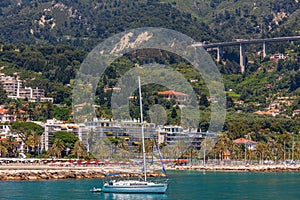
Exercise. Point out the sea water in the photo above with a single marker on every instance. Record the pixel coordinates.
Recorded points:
(182, 185)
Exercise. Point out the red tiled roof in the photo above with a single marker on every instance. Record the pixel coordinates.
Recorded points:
(171, 92)
(21, 111)
(3, 111)
(243, 141)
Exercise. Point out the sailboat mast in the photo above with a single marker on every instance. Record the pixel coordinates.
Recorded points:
(143, 136)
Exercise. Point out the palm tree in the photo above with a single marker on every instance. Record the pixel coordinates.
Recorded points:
(101, 149)
(284, 139)
(3, 149)
(79, 149)
(123, 146)
(149, 144)
(191, 153)
(33, 141)
(10, 146)
(115, 142)
(57, 148)
(223, 145)
(166, 152)
(178, 148)
(260, 149)
(235, 151)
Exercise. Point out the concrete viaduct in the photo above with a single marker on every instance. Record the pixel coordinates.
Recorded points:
(242, 44)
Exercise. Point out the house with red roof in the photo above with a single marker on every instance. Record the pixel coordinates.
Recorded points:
(296, 112)
(171, 94)
(6, 117)
(251, 145)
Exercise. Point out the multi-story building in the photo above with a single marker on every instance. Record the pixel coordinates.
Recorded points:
(129, 131)
(14, 89)
(173, 134)
(51, 127)
(10, 84)
(5, 133)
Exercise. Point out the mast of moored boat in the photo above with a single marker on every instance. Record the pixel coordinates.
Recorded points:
(143, 136)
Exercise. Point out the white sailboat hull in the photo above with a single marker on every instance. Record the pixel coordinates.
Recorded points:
(134, 187)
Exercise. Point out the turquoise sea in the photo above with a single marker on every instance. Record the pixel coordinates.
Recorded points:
(183, 185)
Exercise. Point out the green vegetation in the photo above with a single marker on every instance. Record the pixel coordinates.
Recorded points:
(44, 43)
(275, 147)
(30, 134)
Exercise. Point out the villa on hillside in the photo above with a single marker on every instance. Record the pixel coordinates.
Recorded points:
(6, 116)
(251, 145)
(278, 56)
(178, 96)
(296, 112)
(268, 112)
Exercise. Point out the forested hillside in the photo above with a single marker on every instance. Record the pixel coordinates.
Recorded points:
(44, 42)
(239, 19)
(84, 23)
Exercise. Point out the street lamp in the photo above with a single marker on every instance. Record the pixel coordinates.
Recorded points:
(245, 151)
(293, 147)
(178, 158)
(204, 152)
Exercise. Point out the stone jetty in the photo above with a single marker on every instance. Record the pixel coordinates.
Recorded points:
(56, 173)
(44, 172)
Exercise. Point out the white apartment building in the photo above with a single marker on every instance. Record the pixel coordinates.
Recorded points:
(14, 89)
(51, 127)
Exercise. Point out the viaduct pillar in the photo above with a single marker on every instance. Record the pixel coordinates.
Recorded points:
(219, 53)
(265, 50)
(242, 58)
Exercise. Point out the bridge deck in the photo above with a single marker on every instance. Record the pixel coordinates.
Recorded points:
(253, 41)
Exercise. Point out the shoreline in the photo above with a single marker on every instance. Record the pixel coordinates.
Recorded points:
(45, 172)
(241, 168)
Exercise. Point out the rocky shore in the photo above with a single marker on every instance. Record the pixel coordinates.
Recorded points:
(55, 173)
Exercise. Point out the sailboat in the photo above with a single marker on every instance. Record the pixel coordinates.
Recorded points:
(136, 186)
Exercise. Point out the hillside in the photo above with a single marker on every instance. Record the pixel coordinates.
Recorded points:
(84, 23)
(239, 19)
(46, 41)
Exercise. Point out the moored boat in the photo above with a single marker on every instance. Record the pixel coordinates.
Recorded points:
(136, 186)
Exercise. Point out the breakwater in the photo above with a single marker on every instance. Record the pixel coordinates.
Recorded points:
(57, 173)
(42, 172)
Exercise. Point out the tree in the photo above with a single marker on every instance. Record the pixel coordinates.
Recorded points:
(3, 149)
(79, 149)
(68, 139)
(260, 150)
(3, 95)
(102, 149)
(174, 113)
(61, 113)
(191, 153)
(203, 101)
(29, 133)
(57, 148)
